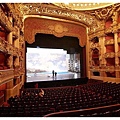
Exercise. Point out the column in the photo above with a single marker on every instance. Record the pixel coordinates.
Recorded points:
(9, 38)
(116, 56)
(102, 59)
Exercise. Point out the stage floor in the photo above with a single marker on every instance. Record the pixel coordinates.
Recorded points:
(49, 77)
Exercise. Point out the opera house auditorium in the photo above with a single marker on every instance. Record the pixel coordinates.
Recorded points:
(59, 59)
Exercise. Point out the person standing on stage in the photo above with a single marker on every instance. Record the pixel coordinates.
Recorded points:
(53, 72)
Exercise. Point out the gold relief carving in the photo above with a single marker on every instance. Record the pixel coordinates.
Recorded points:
(109, 55)
(16, 14)
(87, 19)
(6, 75)
(16, 62)
(118, 27)
(108, 30)
(103, 13)
(94, 45)
(116, 61)
(117, 68)
(5, 21)
(17, 71)
(9, 61)
(110, 68)
(109, 42)
(15, 51)
(118, 39)
(3, 45)
(57, 30)
(99, 33)
(15, 32)
(118, 54)
(10, 49)
(114, 29)
(95, 67)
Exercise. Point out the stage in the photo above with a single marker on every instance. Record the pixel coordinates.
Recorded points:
(47, 76)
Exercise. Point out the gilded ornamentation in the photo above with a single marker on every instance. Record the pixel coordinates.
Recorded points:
(3, 45)
(118, 27)
(94, 45)
(17, 71)
(16, 14)
(15, 32)
(103, 13)
(95, 68)
(109, 42)
(108, 30)
(118, 39)
(109, 68)
(6, 75)
(5, 21)
(109, 55)
(28, 9)
(118, 54)
(16, 64)
(15, 51)
(9, 61)
(56, 28)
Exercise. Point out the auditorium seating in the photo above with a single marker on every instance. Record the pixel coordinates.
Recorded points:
(68, 98)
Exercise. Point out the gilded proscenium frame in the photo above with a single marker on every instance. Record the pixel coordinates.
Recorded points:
(55, 26)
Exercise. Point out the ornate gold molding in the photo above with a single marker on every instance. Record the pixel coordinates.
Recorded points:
(5, 75)
(49, 10)
(57, 28)
(109, 55)
(104, 13)
(10, 61)
(16, 14)
(5, 21)
(118, 39)
(94, 45)
(109, 42)
(3, 45)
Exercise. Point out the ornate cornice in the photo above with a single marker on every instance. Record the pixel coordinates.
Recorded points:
(104, 13)
(49, 10)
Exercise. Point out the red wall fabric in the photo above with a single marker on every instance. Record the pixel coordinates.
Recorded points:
(2, 35)
(2, 58)
(108, 23)
(110, 48)
(3, 87)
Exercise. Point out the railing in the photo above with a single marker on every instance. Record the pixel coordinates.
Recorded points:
(6, 75)
(84, 112)
(1, 98)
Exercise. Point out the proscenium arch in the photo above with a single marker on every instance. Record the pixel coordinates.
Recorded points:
(59, 28)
